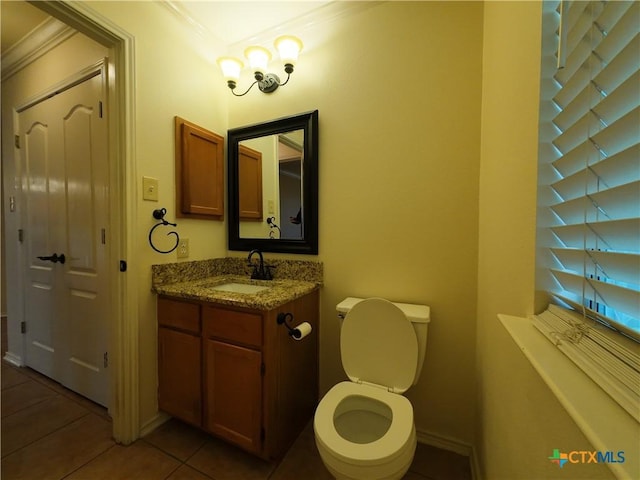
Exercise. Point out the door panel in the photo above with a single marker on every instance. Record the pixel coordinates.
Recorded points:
(79, 163)
(67, 213)
(40, 278)
(86, 207)
(37, 182)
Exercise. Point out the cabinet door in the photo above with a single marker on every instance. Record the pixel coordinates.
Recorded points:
(179, 375)
(199, 171)
(233, 393)
(250, 185)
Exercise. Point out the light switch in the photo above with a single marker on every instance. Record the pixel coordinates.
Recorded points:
(150, 189)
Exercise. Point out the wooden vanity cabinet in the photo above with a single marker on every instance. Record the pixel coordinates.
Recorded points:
(258, 386)
(232, 343)
(180, 360)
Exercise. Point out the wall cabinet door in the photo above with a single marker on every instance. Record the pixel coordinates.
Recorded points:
(233, 395)
(179, 375)
(199, 172)
(250, 185)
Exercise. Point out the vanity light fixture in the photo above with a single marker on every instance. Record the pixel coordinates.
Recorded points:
(288, 47)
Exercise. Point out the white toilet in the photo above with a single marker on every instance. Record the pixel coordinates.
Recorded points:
(364, 427)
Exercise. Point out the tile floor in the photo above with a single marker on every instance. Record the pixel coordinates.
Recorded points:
(50, 433)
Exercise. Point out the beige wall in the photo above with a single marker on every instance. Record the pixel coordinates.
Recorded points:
(173, 77)
(427, 195)
(412, 139)
(398, 89)
(519, 420)
(399, 159)
(399, 152)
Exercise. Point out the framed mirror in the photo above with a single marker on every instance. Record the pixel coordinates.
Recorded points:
(273, 185)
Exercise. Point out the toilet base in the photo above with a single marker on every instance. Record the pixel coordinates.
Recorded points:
(339, 476)
(394, 470)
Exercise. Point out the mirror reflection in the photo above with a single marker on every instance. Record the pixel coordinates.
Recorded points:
(271, 186)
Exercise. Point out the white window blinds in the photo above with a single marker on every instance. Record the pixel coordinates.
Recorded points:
(589, 171)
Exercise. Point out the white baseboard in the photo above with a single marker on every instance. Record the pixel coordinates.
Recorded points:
(154, 423)
(452, 445)
(13, 359)
(445, 443)
(475, 465)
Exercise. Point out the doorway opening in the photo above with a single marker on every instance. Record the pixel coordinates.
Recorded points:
(122, 325)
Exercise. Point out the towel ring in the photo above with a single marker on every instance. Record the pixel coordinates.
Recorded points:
(159, 214)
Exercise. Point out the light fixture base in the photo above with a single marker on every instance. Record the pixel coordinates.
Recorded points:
(269, 83)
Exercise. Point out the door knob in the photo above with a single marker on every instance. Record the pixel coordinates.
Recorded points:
(55, 258)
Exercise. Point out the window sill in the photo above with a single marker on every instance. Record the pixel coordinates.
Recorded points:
(605, 424)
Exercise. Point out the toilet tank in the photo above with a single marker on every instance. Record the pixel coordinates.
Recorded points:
(419, 315)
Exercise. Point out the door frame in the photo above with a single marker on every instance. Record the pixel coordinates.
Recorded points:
(123, 327)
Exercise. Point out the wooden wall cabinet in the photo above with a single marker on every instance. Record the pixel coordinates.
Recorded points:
(257, 387)
(250, 183)
(199, 156)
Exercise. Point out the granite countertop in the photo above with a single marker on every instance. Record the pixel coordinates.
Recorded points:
(194, 281)
(278, 293)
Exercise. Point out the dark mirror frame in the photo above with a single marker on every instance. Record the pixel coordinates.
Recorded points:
(308, 122)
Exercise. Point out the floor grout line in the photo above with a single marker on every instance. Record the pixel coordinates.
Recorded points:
(87, 462)
(49, 433)
(164, 443)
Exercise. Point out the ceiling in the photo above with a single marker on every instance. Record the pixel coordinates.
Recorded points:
(230, 22)
(17, 20)
(236, 21)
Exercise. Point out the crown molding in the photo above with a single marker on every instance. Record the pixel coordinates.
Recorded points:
(46, 36)
(297, 26)
(179, 11)
(43, 38)
(322, 15)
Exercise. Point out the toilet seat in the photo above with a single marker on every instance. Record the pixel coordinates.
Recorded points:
(379, 451)
(378, 345)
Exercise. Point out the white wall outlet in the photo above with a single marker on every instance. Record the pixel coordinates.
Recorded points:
(150, 189)
(183, 248)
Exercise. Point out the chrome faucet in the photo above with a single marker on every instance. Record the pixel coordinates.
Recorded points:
(260, 271)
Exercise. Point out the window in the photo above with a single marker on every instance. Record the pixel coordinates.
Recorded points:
(589, 187)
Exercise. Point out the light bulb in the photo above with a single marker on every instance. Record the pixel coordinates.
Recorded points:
(259, 58)
(289, 48)
(230, 68)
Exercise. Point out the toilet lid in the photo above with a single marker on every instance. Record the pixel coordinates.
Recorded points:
(378, 345)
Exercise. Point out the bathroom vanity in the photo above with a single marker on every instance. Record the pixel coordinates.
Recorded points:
(225, 364)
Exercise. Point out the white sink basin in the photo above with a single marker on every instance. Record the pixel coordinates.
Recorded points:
(239, 288)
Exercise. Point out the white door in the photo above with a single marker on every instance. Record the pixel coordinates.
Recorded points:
(63, 143)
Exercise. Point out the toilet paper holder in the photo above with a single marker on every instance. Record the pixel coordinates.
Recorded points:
(296, 333)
